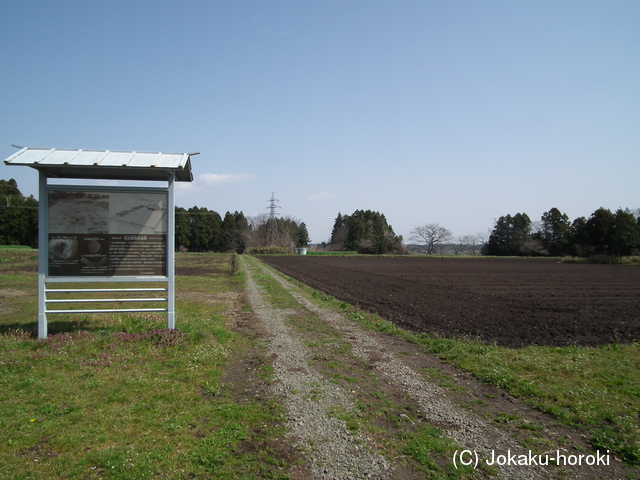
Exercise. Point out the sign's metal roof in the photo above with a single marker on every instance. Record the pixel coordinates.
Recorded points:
(105, 164)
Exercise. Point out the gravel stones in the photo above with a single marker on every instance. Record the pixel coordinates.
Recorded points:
(333, 451)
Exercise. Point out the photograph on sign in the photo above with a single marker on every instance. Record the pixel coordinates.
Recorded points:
(137, 213)
(108, 233)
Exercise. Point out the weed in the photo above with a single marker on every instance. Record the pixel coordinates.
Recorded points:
(429, 443)
(211, 389)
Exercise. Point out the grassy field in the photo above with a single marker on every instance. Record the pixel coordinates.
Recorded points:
(120, 396)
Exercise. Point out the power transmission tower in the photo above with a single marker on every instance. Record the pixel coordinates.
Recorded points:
(272, 207)
(272, 227)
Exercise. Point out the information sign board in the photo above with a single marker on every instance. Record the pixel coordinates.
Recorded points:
(107, 232)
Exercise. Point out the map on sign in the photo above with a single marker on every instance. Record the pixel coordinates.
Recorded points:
(108, 233)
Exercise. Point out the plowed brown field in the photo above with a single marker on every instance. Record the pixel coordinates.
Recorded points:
(510, 301)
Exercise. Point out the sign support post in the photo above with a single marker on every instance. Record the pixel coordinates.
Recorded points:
(171, 273)
(42, 257)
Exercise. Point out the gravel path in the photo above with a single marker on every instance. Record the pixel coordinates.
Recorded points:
(333, 452)
(332, 449)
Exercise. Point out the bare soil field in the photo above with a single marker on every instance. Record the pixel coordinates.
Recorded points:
(510, 301)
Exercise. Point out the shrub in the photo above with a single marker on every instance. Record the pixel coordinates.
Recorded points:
(604, 260)
(272, 250)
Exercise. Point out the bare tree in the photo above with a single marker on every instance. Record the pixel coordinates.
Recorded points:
(463, 244)
(430, 235)
(256, 235)
(476, 242)
(265, 231)
(470, 244)
(481, 241)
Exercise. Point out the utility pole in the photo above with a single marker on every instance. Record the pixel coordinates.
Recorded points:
(272, 227)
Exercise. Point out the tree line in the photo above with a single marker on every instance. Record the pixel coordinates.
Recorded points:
(197, 229)
(202, 230)
(367, 232)
(614, 234)
(18, 216)
(603, 233)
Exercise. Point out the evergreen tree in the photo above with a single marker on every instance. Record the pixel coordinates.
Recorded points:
(625, 235)
(182, 230)
(233, 230)
(555, 232)
(206, 229)
(356, 232)
(599, 231)
(302, 239)
(202, 230)
(365, 232)
(241, 232)
(339, 232)
(510, 235)
(379, 235)
(18, 216)
(228, 229)
(578, 237)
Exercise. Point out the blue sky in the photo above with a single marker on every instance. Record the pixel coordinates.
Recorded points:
(449, 112)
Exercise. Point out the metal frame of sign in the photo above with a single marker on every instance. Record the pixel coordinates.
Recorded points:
(52, 285)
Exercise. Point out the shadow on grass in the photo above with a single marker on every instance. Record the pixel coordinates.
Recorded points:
(59, 326)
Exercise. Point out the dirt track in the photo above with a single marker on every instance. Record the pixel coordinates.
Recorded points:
(513, 302)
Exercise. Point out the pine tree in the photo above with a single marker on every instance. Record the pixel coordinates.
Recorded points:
(555, 232)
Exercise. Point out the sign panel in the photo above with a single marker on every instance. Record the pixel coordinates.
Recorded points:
(107, 233)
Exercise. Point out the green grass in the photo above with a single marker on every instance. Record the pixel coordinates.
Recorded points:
(596, 389)
(277, 296)
(18, 258)
(427, 441)
(120, 396)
